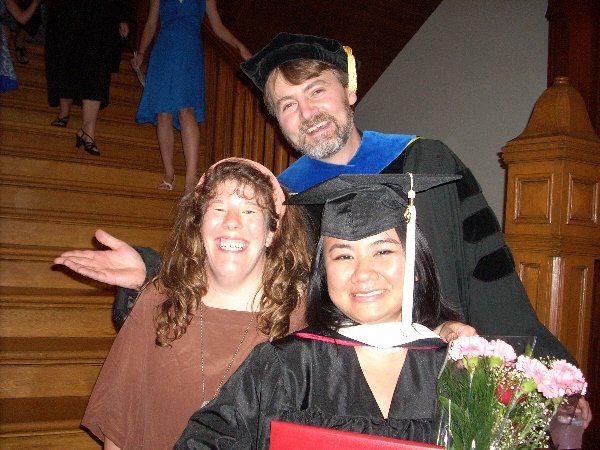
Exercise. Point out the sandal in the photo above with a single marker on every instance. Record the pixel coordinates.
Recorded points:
(22, 57)
(60, 122)
(166, 186)
(88, 146)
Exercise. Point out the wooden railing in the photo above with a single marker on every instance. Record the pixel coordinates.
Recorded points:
(237, 123)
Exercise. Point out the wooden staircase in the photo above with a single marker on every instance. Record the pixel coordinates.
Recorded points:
(55, 327)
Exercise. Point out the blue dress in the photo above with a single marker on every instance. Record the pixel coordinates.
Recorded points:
(8, 78)
(175, 78)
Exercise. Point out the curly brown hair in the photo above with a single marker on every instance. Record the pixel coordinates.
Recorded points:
(297, 72)
(183, 276)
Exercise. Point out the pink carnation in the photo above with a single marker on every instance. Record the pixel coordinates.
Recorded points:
(532, 368)
(465, 346)
(568, 378)
(548, 387)
(501, 349)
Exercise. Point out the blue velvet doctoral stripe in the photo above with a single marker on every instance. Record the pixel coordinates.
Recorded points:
(376, 152)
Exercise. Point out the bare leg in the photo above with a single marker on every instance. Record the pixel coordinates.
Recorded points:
(166, 143)
(20, 46)
(64, 108)
(190, 139)
(89, 111)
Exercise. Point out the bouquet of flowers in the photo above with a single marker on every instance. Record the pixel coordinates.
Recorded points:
(490, 399)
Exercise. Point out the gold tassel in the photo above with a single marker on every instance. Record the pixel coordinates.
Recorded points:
(352, 79)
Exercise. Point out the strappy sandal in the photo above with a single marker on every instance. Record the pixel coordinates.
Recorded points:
(88, 146)
(60, 122)
(22, 57)
(166, 186)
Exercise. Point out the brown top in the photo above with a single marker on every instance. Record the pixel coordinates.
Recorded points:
(145, 394)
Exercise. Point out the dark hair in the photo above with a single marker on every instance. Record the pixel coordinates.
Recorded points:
(429, 309)
(183, 276)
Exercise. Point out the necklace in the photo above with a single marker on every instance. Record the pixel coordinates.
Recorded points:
(237, 350)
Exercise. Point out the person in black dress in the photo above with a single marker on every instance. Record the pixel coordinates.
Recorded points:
(83, 44)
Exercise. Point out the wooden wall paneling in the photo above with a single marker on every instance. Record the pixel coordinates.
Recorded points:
(573, 49)
(552, 221)
(236, 122)
(535, 271)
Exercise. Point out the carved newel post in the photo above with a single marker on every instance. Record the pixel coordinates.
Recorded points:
(552, 219)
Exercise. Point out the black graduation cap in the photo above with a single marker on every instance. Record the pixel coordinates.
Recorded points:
(358, 206)
(288, 47)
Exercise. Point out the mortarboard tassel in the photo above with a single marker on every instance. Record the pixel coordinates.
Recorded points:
(352, 78)
(409, 267)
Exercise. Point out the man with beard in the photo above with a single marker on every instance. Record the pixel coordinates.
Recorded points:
(309, 85)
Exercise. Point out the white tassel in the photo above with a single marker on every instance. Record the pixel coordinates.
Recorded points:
(409, 265)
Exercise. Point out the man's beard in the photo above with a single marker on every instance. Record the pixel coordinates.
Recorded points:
(327, 145)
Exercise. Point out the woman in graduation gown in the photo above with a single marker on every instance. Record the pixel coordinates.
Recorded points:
(362, 365)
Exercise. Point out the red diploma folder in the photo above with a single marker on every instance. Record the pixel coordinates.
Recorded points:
(288, 436)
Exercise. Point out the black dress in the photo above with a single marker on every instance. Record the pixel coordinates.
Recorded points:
(82, 48)
(316, 383)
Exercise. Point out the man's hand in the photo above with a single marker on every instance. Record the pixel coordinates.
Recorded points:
(586, 411)
(451, 330)
(121, 265)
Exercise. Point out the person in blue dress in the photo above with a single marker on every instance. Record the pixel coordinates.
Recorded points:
(8, 77)
(174, 86)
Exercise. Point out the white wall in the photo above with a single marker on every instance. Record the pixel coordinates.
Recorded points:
(469, 77)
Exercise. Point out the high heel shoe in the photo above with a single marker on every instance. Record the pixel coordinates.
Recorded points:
(88, 146)
(60, 122)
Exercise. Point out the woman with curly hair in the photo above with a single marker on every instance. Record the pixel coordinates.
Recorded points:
(233, 274)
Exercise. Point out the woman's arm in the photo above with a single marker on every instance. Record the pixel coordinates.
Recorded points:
(222, 31)
(20, 15)
(147, 34)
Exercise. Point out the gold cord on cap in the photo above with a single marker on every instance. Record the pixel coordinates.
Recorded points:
(352, 79)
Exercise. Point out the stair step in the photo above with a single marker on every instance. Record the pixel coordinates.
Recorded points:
(44, 423)
(40, 414)
(36, 98)
(51, 350)
(53, 440)
(63, 234)
(18, 168)
(116, 150)
(98, 197)
(33, 267)
(36, 313)
(106, 129)
(50, 367)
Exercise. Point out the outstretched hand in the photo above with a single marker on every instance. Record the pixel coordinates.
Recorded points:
(120, 265)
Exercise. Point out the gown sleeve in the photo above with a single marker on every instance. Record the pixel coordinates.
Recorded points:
(476, 266)
(125, 298)
(233, 419)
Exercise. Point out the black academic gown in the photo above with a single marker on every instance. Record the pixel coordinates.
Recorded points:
(474, 263)
(316, 383)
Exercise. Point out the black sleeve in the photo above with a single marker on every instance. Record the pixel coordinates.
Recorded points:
(125, 298)
(475, 264)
